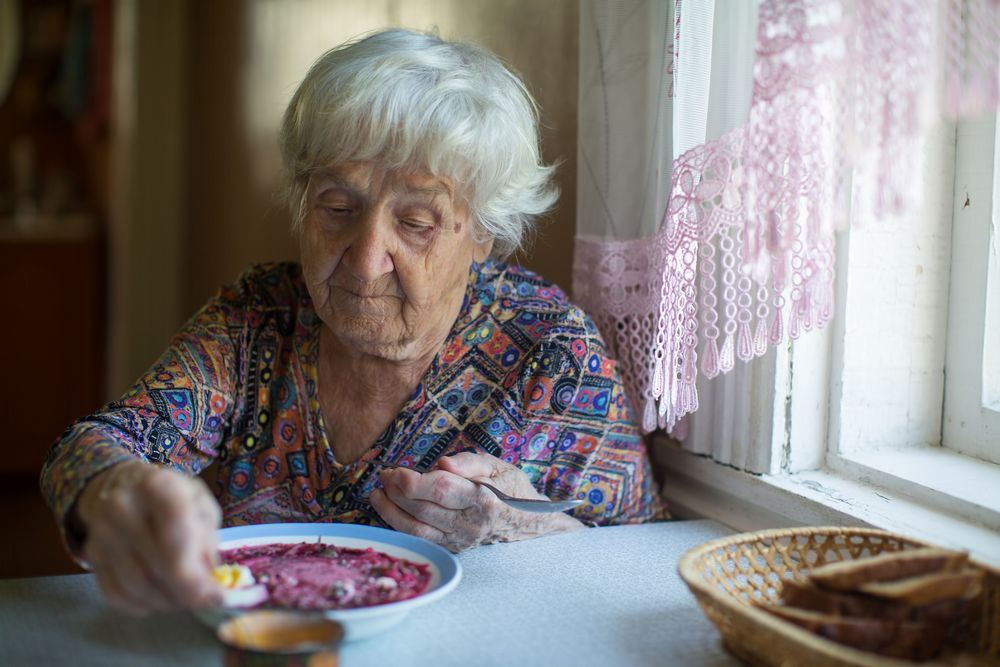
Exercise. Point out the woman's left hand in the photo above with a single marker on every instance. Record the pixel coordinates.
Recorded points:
(443, 506)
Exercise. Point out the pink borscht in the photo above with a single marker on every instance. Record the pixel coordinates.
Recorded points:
(314, 576)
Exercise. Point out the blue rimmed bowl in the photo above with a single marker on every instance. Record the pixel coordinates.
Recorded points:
(362, 622)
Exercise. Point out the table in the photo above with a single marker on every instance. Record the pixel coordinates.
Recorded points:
(602, 596)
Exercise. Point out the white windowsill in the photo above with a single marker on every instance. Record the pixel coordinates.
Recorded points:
(697, 487)
(932, 476)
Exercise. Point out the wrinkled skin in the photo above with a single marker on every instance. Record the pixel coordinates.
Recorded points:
(443, 506)
(386, 258)
(151, 538)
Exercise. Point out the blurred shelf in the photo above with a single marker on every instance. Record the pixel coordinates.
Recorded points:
(48, 229)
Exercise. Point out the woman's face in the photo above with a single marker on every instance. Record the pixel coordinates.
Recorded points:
(386, 257)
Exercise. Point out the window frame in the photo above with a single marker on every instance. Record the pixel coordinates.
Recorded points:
(972, 395)
(926, 465)
(916, 487)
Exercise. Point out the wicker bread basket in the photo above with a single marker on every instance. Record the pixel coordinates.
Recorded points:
(730, 575)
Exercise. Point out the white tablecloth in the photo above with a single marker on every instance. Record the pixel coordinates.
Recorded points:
(602, 596)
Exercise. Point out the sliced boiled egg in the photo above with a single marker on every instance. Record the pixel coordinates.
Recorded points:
(233, 576)
(240, 589)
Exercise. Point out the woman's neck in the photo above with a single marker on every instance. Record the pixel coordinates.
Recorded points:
(366, 379)
(360, 395)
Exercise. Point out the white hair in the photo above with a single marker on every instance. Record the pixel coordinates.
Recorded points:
(410, 99)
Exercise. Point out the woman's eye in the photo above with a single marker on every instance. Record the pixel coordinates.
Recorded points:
(339, 211)
(417, 226)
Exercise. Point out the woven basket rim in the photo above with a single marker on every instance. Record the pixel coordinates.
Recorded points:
(692, 554)
(688, 573)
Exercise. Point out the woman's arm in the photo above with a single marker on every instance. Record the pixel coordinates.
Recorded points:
(579, 439)
(597, 451)
(121, 481)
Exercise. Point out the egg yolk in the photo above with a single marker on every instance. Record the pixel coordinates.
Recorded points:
(233, 576)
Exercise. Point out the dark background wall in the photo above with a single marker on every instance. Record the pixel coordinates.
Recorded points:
(152, 127)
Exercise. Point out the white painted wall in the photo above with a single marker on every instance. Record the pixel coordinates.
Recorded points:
(890, 373)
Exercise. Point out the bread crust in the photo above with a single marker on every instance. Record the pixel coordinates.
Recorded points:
(852, 574)
(902, 604)
(928, 588)
(908, 640)
(808, 596)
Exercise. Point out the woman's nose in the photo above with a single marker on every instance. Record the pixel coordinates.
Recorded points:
(368, 255)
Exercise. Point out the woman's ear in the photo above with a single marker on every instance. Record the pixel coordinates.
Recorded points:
(482, 250)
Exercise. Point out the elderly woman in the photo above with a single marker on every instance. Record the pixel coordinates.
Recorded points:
(401, 338)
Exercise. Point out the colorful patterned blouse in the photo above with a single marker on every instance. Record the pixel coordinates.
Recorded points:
(523, 375)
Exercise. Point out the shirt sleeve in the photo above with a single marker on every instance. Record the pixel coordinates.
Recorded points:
(176, 414)
(597, 452)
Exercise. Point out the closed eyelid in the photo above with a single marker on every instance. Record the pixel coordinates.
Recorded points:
(419, 209)
(421, 212)
(427, 205)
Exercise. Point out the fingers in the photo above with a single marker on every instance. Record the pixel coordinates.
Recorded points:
(471, 465)
(184, 538)
(437, 486)
(151, 537)
(432, 499)
(438, 506)
(126, 576)
(442, 519)
(127, 585)
(506, 477)
(445, 507)
(400, 520)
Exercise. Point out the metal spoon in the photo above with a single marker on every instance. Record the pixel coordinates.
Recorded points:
(536, 505)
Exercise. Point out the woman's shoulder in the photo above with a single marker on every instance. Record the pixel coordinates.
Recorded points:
(272, 292)
(538, 307)
(267, 285)
(545, 348)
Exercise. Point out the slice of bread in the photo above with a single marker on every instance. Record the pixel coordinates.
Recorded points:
(851, 574)
(905, 604)
(808, 596)
(907, 640)
(927, 588)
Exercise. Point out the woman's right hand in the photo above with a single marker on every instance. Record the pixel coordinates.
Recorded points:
(151, 538)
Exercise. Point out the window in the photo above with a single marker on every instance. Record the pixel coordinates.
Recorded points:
(971, 423)
(910, 364)
(891, 415)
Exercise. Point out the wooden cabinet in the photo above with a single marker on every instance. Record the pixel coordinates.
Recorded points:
(54, 180)
(52, 338)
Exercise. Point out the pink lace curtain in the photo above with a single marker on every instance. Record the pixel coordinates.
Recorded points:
(735, 251)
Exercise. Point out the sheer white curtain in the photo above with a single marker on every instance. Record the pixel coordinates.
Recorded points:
(642, 106)
(718, 140)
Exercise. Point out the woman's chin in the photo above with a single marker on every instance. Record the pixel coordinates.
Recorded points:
(372, 338)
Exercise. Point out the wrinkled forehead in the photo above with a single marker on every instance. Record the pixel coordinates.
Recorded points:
(373, 176)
